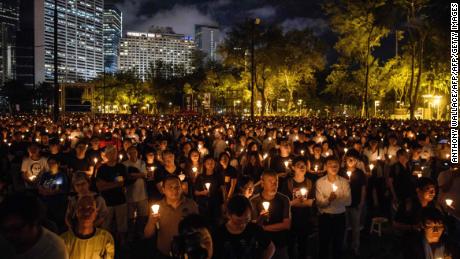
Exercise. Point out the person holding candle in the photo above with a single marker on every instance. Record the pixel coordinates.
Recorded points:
(172, 208)
(272, 210)
(239, 238)
(246, 186)
(136, 194)
(111, 183)
(53, 187)
(282, 162)
(333, 195)
(405, 220)
(316, 168)
(449, 198)
(169, 168)
(84, 239)
(33, 166)
(209, 192)
(300, 191)
(358, 183)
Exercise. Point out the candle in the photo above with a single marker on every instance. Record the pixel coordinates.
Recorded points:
(61, 139)
(371, 166)
(121, 157)
(194, 170)
(419, 174)
(286, 164)
(37, 139)
(242, 150)
(316, 168)
(303, 192)
(349, 174)
(389, 156)
(155, 209)
(226, 142)
(32, 177)
(182, 177)
(95, 160)
(447, 156)
(334, 187)
(266, 205)
(345, 149)
(449, 202)
(208, 186)
(302, 152)
(199, 146)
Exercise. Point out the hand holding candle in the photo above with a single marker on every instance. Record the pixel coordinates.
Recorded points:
(349, 174)
(266, 205)
(334, 187)
(208, 186)
(303, 192)
(155, 209)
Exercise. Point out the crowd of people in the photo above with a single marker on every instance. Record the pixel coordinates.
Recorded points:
(132, 186)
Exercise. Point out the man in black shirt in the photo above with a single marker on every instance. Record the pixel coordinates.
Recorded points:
(300, 191)
(272, 211)
(79, 162)
(400, 183)
(239, 238)
(110, 181)
(358, 182)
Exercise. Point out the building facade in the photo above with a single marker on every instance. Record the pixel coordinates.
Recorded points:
(207, 40)
(9, 19)
(157, 53)
(80, 40)
(113, 20)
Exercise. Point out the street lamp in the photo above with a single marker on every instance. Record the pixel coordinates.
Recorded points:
(299, 102)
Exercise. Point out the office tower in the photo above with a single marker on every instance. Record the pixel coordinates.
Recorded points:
(9, 17)
(113, 20)
(80, 40)
(207, 39)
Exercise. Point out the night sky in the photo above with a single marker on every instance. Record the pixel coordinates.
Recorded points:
(182, 15)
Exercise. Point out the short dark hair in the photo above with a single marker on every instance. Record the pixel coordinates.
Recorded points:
(22, 205)
(431, 214)
(424, 182)
(192, 223)
(299, 159)
(269, 172)
(170, 177)
(401, 152)
(237, 205)
(331, 158)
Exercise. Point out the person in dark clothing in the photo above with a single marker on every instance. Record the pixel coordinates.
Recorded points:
(209, 192)
(239, 238)
(300, 191)
(272, 210)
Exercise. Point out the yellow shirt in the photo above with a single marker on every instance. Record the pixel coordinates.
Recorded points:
(100, 245)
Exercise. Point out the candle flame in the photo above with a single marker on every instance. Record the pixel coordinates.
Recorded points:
(449, 202)
(266, 205)
(334, 187)
(155, 208)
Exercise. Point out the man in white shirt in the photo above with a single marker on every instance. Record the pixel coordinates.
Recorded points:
(33, 166)
(25, 238)
(136, 192)
(333, 195)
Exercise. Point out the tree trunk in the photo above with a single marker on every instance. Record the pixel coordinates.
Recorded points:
(366, 81)
(411, 84)
(419, 77)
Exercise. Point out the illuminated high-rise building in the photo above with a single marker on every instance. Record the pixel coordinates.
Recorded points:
(207, 39)
(9, 18)
(80, 40)
(159, 52)
(113, 20)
